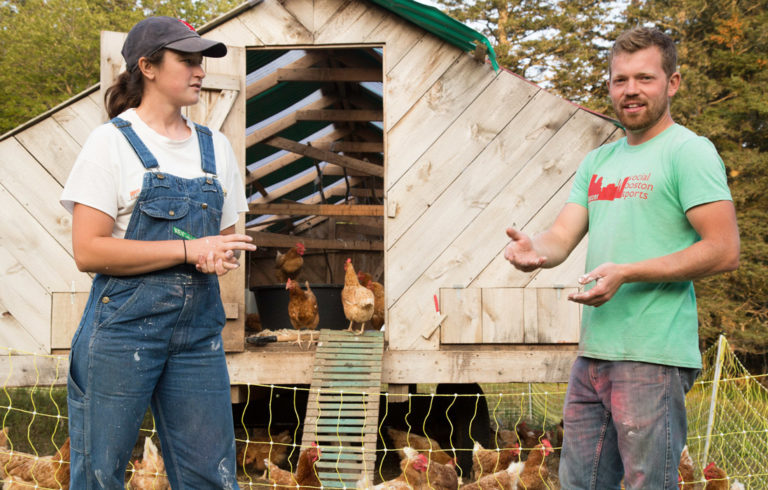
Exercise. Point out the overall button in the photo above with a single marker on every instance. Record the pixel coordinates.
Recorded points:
(172, 213)
(105, 299)
(205, 205)
(208, 181)
(160, 176)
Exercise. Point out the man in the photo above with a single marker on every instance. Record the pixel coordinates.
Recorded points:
(659, 214)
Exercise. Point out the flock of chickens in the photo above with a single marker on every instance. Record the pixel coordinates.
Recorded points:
(525, 459)
(23, 471)
(361, 297)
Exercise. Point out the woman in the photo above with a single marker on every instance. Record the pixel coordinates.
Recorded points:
(154, 199)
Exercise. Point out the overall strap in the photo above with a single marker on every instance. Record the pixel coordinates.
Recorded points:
(146, 156)
(205, 139)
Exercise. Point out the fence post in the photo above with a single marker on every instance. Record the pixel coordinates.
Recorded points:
(715, 384)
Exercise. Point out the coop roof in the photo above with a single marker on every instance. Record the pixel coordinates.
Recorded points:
(438, 23)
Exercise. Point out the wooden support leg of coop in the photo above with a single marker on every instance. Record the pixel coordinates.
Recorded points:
(343, 406)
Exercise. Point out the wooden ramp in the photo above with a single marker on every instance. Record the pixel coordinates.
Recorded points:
(343, 406)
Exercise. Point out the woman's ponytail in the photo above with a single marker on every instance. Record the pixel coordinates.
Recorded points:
(128, 89)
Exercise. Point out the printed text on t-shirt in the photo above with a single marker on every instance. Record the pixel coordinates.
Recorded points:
(632, 187)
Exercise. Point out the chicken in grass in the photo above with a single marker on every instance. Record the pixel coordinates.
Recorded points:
(357, 300)
(413, 475)
(251, 455)
(501, 480)
(716, 478)
(302, 308)
(149, 473)
(529, 437)
(377, 320)
(685, 471)
(535, 475)
(25, 471)
(306, 472)
(425, 445)
(439, 476)
(489, 461)
(289, 264)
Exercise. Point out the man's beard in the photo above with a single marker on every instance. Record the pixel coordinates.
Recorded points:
(654, 111)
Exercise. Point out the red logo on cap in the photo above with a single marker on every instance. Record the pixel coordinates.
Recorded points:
(188, 25)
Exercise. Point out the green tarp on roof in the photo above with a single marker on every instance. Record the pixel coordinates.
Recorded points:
(441, 25)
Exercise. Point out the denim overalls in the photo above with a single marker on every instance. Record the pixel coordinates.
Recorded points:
(155, 339)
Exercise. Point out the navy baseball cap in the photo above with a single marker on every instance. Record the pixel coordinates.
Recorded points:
(155, 33)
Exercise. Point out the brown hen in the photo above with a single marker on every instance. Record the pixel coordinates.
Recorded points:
(306, 472)
(357, 300)
(535, 475)
(149, 473)
(251, 455)
(289, 264)
(489, 461)
(302, 308)
(425, 445)
(501, 480)
(23, 470)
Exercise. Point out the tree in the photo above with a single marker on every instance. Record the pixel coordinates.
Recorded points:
(559, 44)
(49, 49)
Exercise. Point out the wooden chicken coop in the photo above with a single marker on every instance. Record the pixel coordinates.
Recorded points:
(367, 129)
(376, 130)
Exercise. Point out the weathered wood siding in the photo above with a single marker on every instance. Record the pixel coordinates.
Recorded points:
(469, 151)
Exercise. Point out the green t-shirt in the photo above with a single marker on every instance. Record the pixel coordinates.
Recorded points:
(636, 197)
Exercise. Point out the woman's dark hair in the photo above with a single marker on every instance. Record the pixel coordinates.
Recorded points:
(127, 90)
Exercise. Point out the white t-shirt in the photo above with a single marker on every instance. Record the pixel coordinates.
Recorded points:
(108, 174)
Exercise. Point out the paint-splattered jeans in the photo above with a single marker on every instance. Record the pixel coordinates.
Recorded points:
(154, 341)
(624, 420)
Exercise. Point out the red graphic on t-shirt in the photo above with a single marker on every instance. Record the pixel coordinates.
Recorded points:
(608, 193)
(637, 186)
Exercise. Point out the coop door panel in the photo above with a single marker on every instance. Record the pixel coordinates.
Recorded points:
(221, 107)
(463, 311)
(503, 315)
(557, 320)
(509, 316)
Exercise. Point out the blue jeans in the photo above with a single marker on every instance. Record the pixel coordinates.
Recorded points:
(624, 420)
(139, 349)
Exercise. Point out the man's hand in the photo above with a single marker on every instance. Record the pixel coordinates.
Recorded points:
(520, 252)
(608, 279)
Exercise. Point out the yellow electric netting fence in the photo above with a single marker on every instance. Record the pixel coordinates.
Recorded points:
(727, 419)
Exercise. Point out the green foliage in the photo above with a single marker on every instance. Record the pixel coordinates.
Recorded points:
(560, 44)
(49, 49)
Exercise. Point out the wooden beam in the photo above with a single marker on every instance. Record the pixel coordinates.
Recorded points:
(328, 156)
(317, 209)
(355, 191)
(343, 227)
(265, 239)
(340, 115)
(301, 224)
(329, 75)
(289, 158)
(332, 170)
(285, 122)
(268, 81)
(535, 364)
(350, 146)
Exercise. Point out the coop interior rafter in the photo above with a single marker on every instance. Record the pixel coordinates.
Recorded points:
(314, 142)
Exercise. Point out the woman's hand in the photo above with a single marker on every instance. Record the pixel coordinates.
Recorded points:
(218, 254)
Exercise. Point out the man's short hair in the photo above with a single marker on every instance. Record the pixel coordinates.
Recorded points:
(644, 37)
